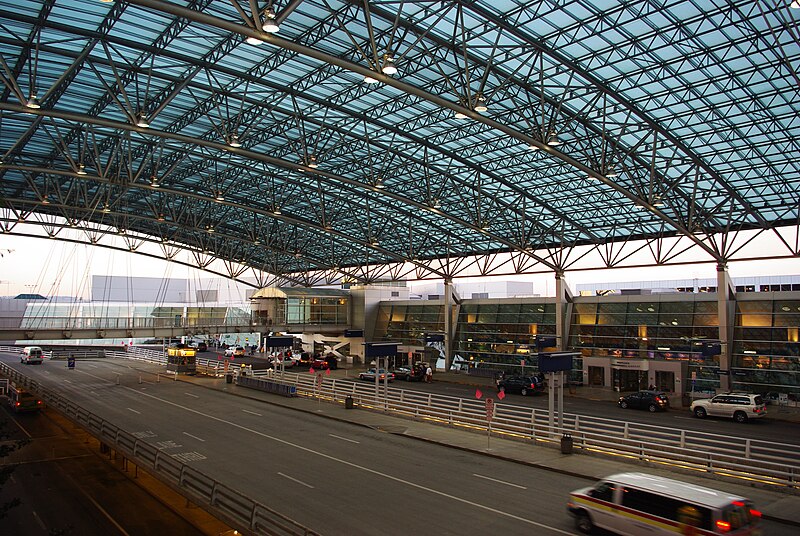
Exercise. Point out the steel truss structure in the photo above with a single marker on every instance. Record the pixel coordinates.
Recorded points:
(381, 140)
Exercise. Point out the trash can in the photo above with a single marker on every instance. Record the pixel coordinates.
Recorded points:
(566, 444)
(348, 402)
(229, 378)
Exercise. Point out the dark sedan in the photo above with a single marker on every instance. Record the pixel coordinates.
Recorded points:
(649, 400)
(416, 374)
(524, 385)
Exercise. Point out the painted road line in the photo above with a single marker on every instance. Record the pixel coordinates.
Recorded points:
(295, 480)
(133, 410)
(344, 438)
(67, 381)
(190, 394)
(194, 437)
(499, 481)
(252, 412)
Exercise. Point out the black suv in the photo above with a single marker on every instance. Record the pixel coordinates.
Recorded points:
(650, 400)
(524, 385)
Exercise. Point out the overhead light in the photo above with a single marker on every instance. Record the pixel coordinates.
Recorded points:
(312, 162)
(141, 120)
(750, 351)
(45, 201)
(271, 25)
(374, 242)
(591, 178)
(461, 115)
(389, 68)
(370, 80)
(379, 183)
(658, 202)
(154, 181)
(160, 218)
(255, 41)
(277, 211)
(664, 348)
(612, 174)
(554, 141)
(437, 203)
(81, 170)
(209, 229)
(106, 209)
(220, 196)
(532, 147)
(234, 141)
(256, 241)
(33, 103)
(121, 231)
(480, 103)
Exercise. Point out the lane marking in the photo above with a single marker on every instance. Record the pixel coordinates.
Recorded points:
(194, 437)
(252, 412)
(374, 472)
(499, 481)
(133, 410)
(67, 381)
(93, 366)
(190, 394)
(344, 438)
(298, 481)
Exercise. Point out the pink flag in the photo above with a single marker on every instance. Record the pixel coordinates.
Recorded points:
(311, 370)
(478, 393)
(328, 372)
(501, 395)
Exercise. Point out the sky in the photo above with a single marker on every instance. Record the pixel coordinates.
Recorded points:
(53, 267)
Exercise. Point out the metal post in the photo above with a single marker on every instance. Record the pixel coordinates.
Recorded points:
(551, 386)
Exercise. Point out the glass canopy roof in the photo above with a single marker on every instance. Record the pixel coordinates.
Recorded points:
(388, 140)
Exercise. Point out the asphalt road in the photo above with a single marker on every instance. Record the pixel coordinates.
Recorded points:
(330, 476)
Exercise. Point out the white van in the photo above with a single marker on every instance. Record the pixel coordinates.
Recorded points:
(638, 503)
(31, 354)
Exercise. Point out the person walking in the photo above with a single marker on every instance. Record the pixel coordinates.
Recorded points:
(428, 375)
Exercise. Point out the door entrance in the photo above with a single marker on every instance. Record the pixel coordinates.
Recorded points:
(630, 380)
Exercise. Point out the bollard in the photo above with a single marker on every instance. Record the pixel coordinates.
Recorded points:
(158, 377)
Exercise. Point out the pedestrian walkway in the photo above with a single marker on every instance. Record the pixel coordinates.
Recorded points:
(776, 505)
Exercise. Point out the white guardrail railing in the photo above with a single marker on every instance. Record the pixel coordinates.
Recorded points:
(759, 461)
(226, 502)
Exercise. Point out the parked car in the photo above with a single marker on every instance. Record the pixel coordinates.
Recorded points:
(737, 406)
(231, 351)
(410, 374)
(524, 385)
(288, 361)
(31, 354)
(327, 362)
(370, 375)
(21, 400)
(649, 400)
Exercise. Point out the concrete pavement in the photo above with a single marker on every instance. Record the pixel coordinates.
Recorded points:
(775, 505)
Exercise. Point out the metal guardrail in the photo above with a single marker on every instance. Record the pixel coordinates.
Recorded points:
(766, 462)
(225, 501)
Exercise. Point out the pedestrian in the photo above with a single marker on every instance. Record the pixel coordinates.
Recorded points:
(428, 375)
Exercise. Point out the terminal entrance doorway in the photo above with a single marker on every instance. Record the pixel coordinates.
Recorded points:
(630, 380)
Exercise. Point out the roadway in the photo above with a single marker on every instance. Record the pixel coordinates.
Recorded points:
(328, 475)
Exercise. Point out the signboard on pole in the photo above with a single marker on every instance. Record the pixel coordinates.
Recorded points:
(489, 409)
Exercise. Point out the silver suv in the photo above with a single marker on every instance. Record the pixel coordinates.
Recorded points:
(737, 406)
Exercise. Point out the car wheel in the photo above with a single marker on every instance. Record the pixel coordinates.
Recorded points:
(652, 408)
(523, 392)
(584, 523)
(623, 405)
(700, 413)
(740, 416)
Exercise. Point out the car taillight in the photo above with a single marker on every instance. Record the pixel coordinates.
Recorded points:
(38, 401)
(723, 526)
(755, 513)
(17, 404)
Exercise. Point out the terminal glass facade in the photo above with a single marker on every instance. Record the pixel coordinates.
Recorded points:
(501, 333)
(766, 346)
(408, 322)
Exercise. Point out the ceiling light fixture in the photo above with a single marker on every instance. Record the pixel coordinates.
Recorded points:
(220, 196)
(255, 41)
(160, 218)
(370, 80)
(81, 170)
(554, 141)
(33, 103)
(532, 147)
(277, 211)
(45, 201)
(271, 25)
(106, 209)
(612, 174)
(154, 181)
(480, 103)
(389, 68)
(234, 141)
(312, 162)
(591, 177)
(658, 202)
(141, 120)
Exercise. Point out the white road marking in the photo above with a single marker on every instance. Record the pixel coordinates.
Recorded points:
(344, 438)
(252, 412)
(93, 366)
(67, 381)
(298, 481)
(47, 372)
(38, 520)
(194, 437)
(499, 481)
(356, 466)
(190, 394)
(133, 410)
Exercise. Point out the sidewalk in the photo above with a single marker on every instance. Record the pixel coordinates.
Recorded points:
(774, 505)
